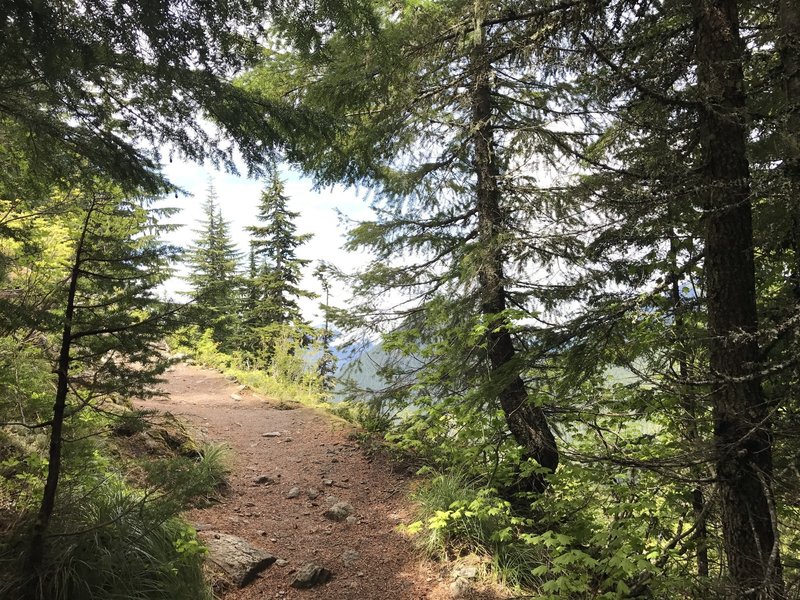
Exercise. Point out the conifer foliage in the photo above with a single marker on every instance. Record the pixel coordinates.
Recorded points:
(277, 270)
(585, 230)
(213, 261)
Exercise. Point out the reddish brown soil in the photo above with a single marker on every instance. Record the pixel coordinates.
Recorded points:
(313, 447)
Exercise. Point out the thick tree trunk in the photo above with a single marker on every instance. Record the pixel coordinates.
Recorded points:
(48, 502)
(743, 440)
(526, 422)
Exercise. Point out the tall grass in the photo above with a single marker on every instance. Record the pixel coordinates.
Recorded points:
(112, 545)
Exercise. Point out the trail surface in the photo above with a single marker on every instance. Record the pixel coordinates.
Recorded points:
(368, 558)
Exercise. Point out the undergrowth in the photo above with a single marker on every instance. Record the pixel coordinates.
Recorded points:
(109, 543)
(116, 533)
(456, 516)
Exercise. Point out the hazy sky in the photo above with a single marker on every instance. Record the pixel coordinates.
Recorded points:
(238, 197)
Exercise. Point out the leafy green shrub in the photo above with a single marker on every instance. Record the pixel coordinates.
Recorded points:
(110, 544)
(456, 514)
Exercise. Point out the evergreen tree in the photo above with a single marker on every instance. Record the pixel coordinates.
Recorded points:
(427, 112)
(662, 124)
(326, 367)
(276, 269)
(213, 262)
(110, 317)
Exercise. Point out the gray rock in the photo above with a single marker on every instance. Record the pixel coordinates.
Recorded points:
(281, 562)
(331, 500)
(310, 575)
(351, 520)
(350, 556)
(327, 482)
(312, 493)
(241, 561)
(294, 492)
(467, 572)
(236, 397)
(460, 587)
(338, 512)
(271, 434)
(263, 480)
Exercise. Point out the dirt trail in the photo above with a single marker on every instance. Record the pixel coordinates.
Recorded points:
(312, 451)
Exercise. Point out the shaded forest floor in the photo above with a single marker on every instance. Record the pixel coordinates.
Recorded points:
(315, 453)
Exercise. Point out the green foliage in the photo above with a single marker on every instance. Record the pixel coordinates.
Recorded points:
(213, 262)
(181, 481)
(291, 375)
(112, 544)
(273, 287)
(100, 87)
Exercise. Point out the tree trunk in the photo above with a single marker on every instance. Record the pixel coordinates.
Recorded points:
(47, 505)
(743, 441)
(526, 422)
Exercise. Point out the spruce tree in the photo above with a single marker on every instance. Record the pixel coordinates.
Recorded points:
(213, 260)
(276, 270)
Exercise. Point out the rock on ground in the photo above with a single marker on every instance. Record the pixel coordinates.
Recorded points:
(339, 511)
(241, 561)
(310, 575)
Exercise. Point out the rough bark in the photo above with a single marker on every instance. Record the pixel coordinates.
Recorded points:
(526, 422)
(743, 441)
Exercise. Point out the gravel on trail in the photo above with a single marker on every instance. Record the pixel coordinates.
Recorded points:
(290, 469)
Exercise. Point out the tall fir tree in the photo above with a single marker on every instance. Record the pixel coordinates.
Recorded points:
(432, 133)
(276, 270)
(213, 260)
(111, 322)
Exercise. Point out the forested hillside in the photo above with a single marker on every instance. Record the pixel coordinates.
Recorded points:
(584, 275)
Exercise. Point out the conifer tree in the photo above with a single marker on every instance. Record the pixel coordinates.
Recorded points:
(213, 260)
(432, 134)
(111, 320)
(276, 269)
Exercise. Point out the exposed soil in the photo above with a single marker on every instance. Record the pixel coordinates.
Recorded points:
(313, 450)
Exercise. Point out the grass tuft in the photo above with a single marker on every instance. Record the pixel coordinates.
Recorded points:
(113, 545)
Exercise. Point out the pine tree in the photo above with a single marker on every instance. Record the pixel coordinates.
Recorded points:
(277, 271)
(213, 261)
(423, 109)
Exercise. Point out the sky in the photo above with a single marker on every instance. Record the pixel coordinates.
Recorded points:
(238, 198)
